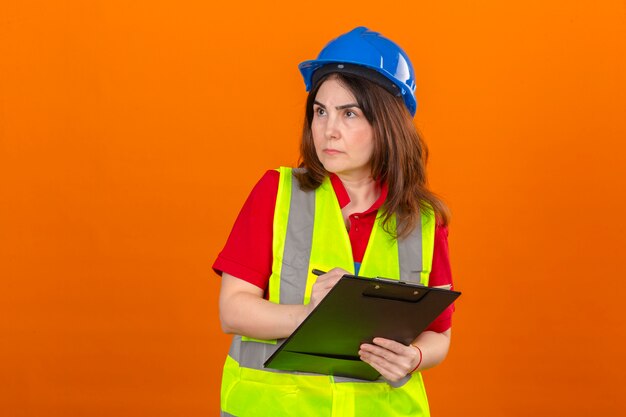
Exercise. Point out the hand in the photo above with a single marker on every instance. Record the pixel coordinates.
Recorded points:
(323, 284)
(392, 359)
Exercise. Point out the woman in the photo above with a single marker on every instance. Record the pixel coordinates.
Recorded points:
(362, 179)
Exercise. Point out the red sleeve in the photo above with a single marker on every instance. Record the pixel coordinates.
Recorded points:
(441, 275)
(248, 251)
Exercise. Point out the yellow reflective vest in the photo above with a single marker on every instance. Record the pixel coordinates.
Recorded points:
(309, 233)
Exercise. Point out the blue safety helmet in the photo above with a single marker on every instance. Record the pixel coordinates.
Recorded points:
(368, 54)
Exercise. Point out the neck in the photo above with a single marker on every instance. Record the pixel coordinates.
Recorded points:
(363, 192)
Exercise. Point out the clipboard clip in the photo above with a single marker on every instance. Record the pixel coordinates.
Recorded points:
(390, 290)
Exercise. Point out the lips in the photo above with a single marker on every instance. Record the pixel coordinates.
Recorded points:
(331, 151)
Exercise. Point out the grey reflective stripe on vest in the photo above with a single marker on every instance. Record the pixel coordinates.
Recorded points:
(293, 274)
(225, 414)
(251, 354)
(410, 255)
(298, 240)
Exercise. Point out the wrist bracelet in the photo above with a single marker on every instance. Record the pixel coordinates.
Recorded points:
(418, 362)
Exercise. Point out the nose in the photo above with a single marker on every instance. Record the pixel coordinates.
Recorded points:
(332, 127)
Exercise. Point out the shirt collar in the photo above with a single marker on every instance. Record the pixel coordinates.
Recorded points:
(343, 198)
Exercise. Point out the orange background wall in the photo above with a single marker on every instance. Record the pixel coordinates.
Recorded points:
(131, 133)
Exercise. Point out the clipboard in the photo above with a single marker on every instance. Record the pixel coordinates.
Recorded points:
(355, 311)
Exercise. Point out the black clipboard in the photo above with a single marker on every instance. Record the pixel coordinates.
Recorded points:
(355, 311)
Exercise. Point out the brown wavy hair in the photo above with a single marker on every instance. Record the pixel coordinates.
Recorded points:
(399, 157)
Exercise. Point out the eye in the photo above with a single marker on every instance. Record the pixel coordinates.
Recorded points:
(320, 111)
(351, 114)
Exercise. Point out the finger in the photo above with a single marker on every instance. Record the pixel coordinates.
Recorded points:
(387, 369)
(328, 281)
(402, 353)
(404, 361)
(335, 274)
(329, 277)
(379, 351)
(392, 345)
(323, 281)
(325, 284)
(339, 271)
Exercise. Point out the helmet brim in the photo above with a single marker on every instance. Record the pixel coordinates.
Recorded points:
(308, 68)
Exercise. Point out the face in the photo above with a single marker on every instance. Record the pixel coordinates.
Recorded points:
(343, 137)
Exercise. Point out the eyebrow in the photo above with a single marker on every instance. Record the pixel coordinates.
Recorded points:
(344, 106)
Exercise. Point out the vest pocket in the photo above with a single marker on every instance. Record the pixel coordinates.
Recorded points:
(269, 394)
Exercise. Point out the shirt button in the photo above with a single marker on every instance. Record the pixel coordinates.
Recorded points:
(356, 217)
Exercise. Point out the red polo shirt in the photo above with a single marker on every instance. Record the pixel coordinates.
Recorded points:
(248, 251)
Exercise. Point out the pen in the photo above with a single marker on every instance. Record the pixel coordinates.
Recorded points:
(318, 272)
